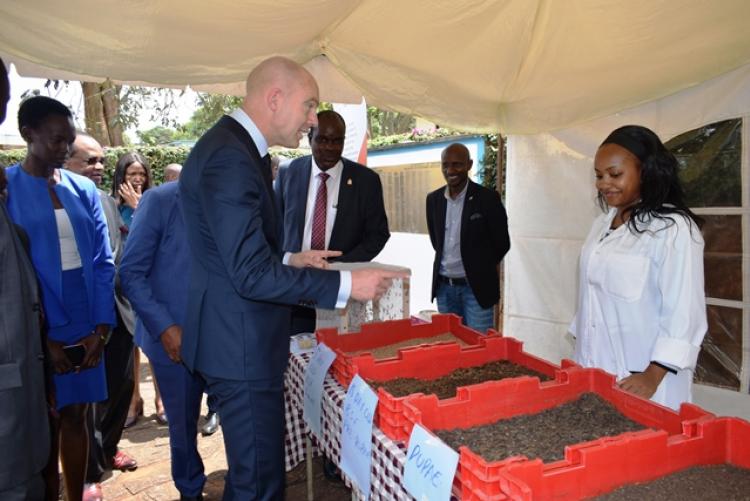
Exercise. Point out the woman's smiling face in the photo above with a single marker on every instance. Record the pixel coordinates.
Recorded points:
(618, 176)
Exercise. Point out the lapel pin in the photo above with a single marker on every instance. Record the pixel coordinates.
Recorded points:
(349, 182)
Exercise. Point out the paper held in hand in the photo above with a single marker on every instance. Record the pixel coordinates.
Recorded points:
(393, 305)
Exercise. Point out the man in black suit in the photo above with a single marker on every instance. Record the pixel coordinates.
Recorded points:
(24, 426)
(236, 333)
(469, 232)
(344, 213)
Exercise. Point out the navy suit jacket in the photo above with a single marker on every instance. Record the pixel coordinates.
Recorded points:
(360, 229)
(484, 239)
(237, 324)
(154, 268)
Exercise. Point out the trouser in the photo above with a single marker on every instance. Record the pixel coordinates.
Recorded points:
(303, 320)
(460, 299)
(105, 420)
(213, 408)
(253, 422)
(181, 394)
(29, 490)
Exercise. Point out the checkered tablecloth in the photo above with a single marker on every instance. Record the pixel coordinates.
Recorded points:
(294, 441)
(388, 456)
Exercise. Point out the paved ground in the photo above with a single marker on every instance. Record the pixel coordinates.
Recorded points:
(148, 442)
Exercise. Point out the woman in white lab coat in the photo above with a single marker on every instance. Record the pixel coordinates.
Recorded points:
(641, 304)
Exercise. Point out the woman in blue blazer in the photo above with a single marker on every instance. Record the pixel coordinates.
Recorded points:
(62, 215)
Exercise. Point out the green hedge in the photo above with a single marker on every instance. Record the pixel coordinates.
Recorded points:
(158, 157)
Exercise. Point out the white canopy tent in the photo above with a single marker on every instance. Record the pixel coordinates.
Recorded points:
(555, 75)
(518, 66)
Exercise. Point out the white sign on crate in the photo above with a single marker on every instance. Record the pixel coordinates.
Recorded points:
(430, 466)
(356, 433)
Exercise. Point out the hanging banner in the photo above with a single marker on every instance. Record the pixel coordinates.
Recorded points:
(355, 144)
(315, 374)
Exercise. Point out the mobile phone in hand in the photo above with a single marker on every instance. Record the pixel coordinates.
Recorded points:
(75, 353)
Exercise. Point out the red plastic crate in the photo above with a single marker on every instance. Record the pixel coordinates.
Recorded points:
(495, 400)
(597, 467)
(436, 361)
(378, 334)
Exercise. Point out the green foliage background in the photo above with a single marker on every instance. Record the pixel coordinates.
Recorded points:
(158, 157)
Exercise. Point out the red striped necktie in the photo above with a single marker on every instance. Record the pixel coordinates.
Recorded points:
(318, 237)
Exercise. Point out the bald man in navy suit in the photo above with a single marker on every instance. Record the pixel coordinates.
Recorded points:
(242, 285)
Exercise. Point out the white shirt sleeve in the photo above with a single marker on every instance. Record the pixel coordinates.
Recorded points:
(345, 289)
(682, 324)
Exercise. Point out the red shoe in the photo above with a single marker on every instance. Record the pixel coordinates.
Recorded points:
(92, 492)
(123, 462)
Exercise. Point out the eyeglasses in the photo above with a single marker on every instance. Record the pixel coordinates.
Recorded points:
(95, 160)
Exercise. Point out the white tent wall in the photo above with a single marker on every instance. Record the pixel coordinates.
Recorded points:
(551, 205)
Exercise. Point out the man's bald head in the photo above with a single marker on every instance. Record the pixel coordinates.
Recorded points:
(457, 149)
(172, 172)
(455, 162)
(86, 158)
(281, 98)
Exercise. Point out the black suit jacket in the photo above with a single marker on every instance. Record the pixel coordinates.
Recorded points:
(24, 428)
(236, 321)
(484, 239)
(360, 229)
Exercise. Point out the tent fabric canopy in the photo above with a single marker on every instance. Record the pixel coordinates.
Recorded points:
(517, 66)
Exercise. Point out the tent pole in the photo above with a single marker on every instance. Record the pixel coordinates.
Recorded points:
(500, 187)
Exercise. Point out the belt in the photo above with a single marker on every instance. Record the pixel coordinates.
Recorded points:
(453, 281)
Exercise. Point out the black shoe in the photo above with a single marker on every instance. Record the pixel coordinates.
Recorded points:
(331, 471)
(211, 424)
(199, 497)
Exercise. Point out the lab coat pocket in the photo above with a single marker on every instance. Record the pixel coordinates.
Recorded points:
(625, 276)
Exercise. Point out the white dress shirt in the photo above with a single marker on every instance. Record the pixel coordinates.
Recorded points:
(641, 299)
(332, 184)
(239, 115)
(451, 264)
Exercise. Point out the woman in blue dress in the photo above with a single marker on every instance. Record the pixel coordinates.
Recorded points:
(62, 215)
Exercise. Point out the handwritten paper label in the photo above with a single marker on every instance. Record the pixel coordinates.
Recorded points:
(430, 466)
(315, 373)
(356, 433)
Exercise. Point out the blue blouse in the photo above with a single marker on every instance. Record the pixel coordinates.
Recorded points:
(127, 214)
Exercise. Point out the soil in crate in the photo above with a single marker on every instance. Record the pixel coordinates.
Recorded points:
(391, 350)
(445, 386)
(543, 435)
(724, 482)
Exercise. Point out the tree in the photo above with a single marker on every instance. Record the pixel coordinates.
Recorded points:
(110, 108)
(387, 123)
(211, 107)
(157, 135)
(101, 104)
